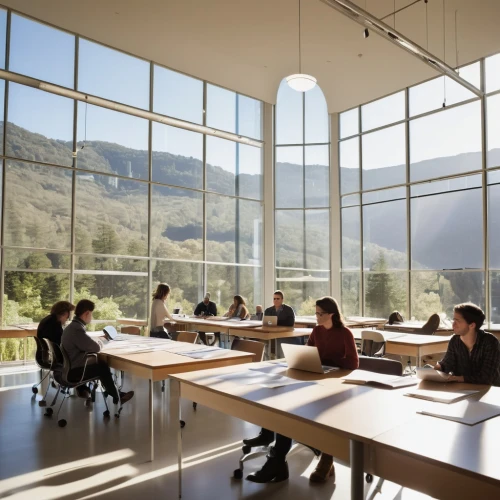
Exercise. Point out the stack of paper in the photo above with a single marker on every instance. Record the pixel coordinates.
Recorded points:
(440, 396)
(363, 377)
(465, 412)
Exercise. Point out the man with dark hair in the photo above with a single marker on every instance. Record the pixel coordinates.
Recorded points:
(473, 355)
(286, 316)
(206, 308)
(78, 344)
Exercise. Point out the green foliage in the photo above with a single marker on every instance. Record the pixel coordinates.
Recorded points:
(308, 307)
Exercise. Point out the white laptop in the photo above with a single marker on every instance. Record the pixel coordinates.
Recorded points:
(270, 320)
(303, 357)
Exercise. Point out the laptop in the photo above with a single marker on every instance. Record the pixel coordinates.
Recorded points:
(110, 332)
(306, 358)
(177, 310)
(270, 320)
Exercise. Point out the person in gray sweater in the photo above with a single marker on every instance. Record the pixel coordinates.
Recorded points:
(78, 344)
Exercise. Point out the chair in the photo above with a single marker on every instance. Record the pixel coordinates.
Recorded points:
(43, 360)
(61, 375)
(131, 330)
(189, 337)
(372, 343)
(252, 346)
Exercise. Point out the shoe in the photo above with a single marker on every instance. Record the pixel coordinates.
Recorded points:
(323, 470)
(126, 396)
(83, 392)
(274, 469)
(432, 325)
(395, 317)
(265, 438)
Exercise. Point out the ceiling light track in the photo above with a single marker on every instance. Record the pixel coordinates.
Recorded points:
(367, 20)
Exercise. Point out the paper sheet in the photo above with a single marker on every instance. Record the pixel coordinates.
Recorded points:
(254, 377)
(440, 396)
(464, 412)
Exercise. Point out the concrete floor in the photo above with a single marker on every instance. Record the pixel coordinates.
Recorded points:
(94, 458)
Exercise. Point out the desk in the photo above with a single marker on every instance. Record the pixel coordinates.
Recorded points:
(351, 321)
(414, 328)
(159, 365)
(19, 332)
(131, 322)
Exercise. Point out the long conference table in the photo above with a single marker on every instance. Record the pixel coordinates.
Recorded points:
(375, 430)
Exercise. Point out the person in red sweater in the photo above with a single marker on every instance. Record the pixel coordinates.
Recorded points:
(336, 347)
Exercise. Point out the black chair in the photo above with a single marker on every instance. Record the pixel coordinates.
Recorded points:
(43, 360)
(61, 375)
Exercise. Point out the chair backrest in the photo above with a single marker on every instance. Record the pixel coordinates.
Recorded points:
(131, 330)
(42, 354)
(372, 342)
(55, 353)
(381, 365)
(252, 346)
(190, 337)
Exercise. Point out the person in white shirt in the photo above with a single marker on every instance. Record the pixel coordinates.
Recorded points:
(159, 312)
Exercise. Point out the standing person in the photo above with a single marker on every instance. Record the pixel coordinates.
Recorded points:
(286, 316)
(78, 344)
(51, 327)
(336, 347)
(473, 355)
(207, 308)
(159, 312)
(238, 309)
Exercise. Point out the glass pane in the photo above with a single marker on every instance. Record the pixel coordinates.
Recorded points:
(37, 206)
(249, 284)
(351, 230)
(350, 200)
(301, 289)
(249, 171)
(41, 51)
(2, 109)
(316, 117)
(495, 299)
(221, 228)
(249, 117)
(493, 129)
(176, 223)
(317, 178)
(384, 195)
(382, 249)
(33, 260)
(118, 265)
(221, 285)
(492, 70)
(115, 296)
(111, 215)
(445, 143)
(289, 233)
(109, 141)
(289, 188)
(349, 165)
(177, 156)
(221, 165)
(349, 123)
(177, 95)
(185, 280)
(30, 295)
(40, 126)
(384, 111)
(385, 292)
(221, 108)
(446, 186)
(350, 294)
(432, 94)
(494, 225)
(3, 37)
(438, 292)
(289, 116)
(317, 239)
(111, 74)
(384, 157)
(436, 243)
(249, 216)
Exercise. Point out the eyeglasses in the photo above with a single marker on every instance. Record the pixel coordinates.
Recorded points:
(320, 314)
(276, 298)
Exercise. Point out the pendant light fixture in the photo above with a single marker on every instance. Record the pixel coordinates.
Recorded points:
(301, 82)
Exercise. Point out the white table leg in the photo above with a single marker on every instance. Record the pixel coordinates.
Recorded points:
(357, 470)
(151, 419)
(175, 417)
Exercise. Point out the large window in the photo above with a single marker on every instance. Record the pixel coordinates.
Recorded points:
(421, 247)
(302, 197)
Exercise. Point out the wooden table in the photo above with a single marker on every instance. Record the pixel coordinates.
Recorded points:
(415, 328)
(351, 321)
(19, 332)
(132, 322)
(160, 365)
(423, 453)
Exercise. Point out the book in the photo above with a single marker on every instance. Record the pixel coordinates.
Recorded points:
(363, 377)
(440, 396)
(432, 375)
(465, 412)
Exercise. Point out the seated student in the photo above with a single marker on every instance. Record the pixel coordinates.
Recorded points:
(259, 314)
(205, 309)
(238, 309)
(159, 312)
(286, 316)
(51, 327)
(336, 347)
(473, 355)
(77, 344)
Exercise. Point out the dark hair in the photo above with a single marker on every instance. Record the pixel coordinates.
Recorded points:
(471, 313)
(83, 306)
(240, 300)
(162, 290)
(62, 307)
(330, 305)
(279, 292)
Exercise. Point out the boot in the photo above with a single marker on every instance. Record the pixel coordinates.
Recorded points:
(275, 469)
(323, 470)
(265, 438)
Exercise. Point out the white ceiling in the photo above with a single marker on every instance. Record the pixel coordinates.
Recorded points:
(250, 45)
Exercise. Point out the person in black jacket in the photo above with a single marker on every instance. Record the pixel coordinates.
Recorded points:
(206, 308)
(51, 327)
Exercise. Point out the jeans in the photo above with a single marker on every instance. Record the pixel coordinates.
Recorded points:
(101, 371)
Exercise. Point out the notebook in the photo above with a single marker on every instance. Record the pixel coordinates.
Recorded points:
(440, 396)
(432, 375)
(363, 377)
(465, 412)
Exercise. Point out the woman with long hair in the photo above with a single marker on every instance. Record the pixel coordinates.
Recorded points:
(159, 312)
(336, 347)
(238, 309)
